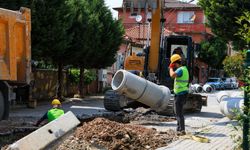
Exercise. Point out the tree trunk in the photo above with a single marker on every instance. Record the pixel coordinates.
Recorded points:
(59, 79)
(81, 84)
(67, 82)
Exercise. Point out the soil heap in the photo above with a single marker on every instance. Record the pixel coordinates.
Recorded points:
(107, 134)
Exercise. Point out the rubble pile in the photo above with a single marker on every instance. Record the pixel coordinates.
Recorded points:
(145, 114)
(114, 135)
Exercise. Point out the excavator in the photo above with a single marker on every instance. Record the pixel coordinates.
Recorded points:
(152, 66)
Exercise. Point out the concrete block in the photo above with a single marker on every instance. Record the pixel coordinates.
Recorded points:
(47, 134)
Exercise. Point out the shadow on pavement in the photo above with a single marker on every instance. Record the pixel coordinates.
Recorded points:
(205, 115)
(213, 134)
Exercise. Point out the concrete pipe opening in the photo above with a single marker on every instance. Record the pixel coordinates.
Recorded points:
(207, 88)
(118, 80)
(229, 106)
(221, 96)
(197, 88)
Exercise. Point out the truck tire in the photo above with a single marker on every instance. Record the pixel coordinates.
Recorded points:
(2, 106)
(113, 101)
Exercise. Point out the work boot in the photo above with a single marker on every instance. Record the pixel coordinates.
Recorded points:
(180, 133)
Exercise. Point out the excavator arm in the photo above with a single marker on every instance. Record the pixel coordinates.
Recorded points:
(155, 39)
(152, 53)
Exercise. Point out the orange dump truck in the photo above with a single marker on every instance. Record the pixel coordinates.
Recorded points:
(15, 58)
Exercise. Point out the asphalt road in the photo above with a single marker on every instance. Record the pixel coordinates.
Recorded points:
(93, 106)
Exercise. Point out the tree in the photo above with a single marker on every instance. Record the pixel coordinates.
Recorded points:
(14, 4)
(109, 34)
(244, 33)
(213, 52)
(97, 36)
(233, 65)
(221, 16)
(50, 40)
(244, 30)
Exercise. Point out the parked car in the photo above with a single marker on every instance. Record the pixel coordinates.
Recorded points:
(241, 83)
(235, 83)
(227, 83)
(230, 83)
(216, 83)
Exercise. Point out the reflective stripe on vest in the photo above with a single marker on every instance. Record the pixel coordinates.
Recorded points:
(54, 113)
(181, 83)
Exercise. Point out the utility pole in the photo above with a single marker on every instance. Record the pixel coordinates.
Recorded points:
(245, 143)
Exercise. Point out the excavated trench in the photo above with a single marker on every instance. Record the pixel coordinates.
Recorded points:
(13, 130)
(109, 131)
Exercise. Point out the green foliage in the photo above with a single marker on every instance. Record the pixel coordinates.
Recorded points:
(221, 16)
(99, 34)
(50, 23)
(14, 4)
(233, 65)
(89, 76)
(240, 117)
(213, 52)
(238, 139)
(74, 76)
(81, 33)
(244, 31)
(43, 65)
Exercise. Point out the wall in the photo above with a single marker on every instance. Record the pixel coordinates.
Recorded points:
(45, 85)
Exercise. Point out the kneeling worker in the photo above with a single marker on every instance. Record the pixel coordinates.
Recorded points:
(53, 113)
(181, 81)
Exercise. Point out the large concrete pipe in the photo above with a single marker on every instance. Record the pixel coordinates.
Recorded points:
(229, 105)
(142, 90)
(207, 88)
(196, 88)
(237, 94)
(221, 95)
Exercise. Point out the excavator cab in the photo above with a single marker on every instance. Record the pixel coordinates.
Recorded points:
(171, 44)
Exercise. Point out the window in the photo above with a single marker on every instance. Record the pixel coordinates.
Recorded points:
(185, 17)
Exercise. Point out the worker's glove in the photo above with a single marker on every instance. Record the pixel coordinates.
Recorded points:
(171, 66)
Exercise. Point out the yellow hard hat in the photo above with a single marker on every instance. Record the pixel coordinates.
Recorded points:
(55, 102)
(174, 58)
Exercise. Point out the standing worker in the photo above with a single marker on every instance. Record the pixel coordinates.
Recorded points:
(179, 51)
(181, 81)
(53, 113)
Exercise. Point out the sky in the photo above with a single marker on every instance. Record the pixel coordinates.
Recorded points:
(113, 3)
(118, 3)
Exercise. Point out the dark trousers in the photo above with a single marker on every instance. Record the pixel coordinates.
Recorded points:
(180, 100)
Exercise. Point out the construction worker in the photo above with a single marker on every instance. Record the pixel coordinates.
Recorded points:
(179, 51)
(53, 113)
(181, 76)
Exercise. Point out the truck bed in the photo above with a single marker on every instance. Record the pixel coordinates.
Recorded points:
(15, 49)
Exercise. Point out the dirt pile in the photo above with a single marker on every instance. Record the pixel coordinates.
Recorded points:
(113, 135)
(145, 114)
